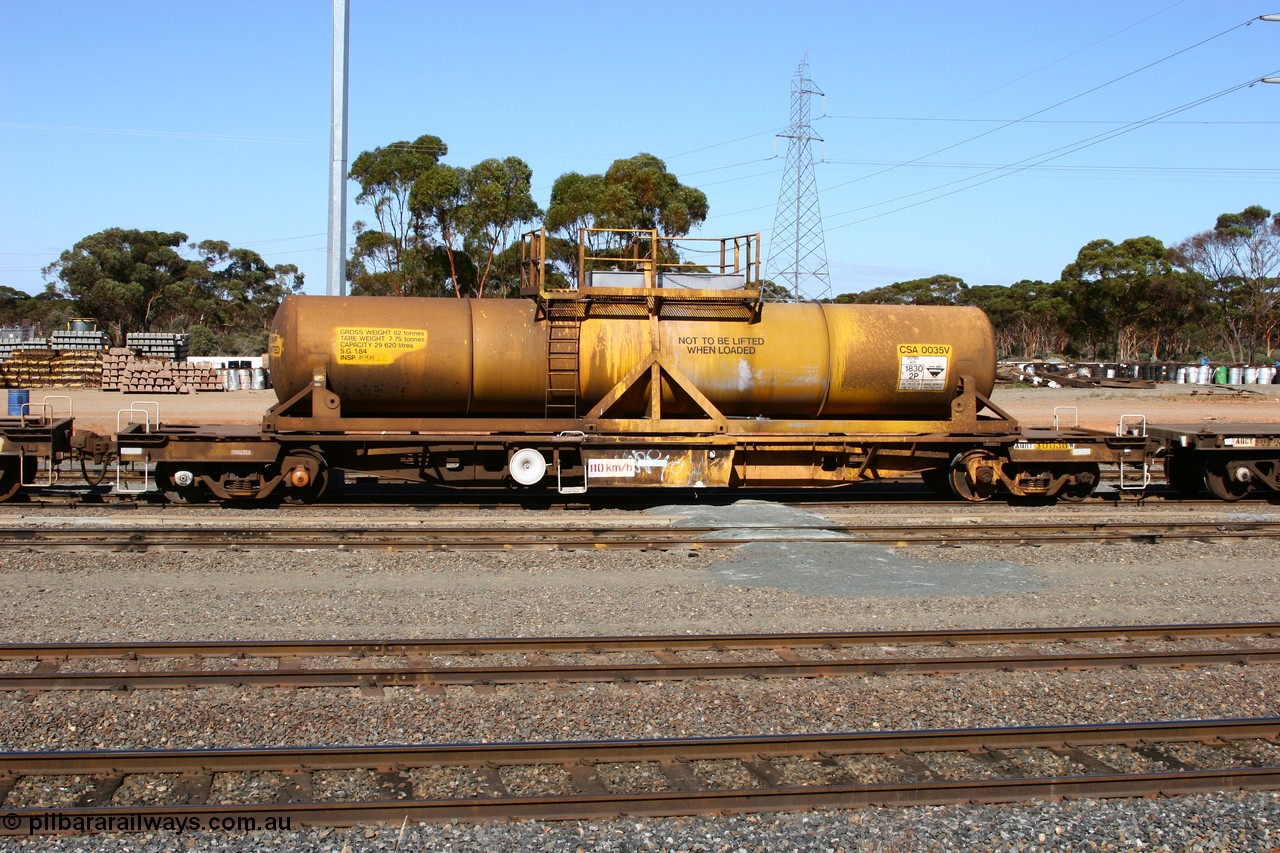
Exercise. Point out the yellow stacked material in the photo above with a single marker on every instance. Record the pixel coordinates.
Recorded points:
(76, 369)
(117, 369)
(28, 369)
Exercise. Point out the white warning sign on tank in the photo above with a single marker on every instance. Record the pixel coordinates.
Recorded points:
(923, 367)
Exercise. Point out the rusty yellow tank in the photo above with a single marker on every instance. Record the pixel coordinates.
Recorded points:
(489, 357)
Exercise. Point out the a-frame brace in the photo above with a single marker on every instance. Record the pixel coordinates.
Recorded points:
(650, 370)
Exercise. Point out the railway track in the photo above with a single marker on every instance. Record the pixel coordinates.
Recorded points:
(483, 663)
(899, 493)
(137, 790)
(136, 533)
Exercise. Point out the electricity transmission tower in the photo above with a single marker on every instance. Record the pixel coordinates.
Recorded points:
(797, 250)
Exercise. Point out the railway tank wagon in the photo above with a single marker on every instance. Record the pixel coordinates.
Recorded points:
(646, 372)
(478, 359)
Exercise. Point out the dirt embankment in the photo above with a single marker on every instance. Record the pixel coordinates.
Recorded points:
(100, 411)
(1101, 408)
(1098, 408)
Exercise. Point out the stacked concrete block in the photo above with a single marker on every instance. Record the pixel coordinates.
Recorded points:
(8, 348)
(163, 376)
(175, 347)
(78, 341)
(113, 363)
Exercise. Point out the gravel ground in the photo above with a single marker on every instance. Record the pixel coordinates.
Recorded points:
(1243, 822)
(250, 595)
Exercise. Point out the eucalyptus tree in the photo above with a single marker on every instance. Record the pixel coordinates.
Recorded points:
(1111, 286)
(1029, 318)
(245, 287)
(438, 226)
(133, 280)
(437, 201)
(935, 290)
(633, 193)
(499, 200)
(120, 275)
(641, 193)
(470, 214)
(1239, 258)
(393, 257)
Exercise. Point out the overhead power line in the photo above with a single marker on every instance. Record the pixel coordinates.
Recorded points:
(282, 239)
(1075, 97)
(771, 132)
(1036, 160)
(164, 134)
(1040, 121)
(1026, 119)
(1030, 73)
(1172, 171)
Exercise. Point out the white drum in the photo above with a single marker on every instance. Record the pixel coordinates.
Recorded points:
(528, 466)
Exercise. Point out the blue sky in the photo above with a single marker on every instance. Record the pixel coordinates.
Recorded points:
(213, 118)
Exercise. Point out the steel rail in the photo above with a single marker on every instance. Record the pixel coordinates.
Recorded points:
(994, 774)
(438, 677)
(652, 642)
(424, 537)
(539, 668)
(916, 498)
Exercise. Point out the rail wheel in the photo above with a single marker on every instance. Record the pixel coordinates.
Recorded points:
(1226, 479)
(1086, 480)
(1184, 474)
(305, 477)
(973, 475)
(179, 484)
(10, 476)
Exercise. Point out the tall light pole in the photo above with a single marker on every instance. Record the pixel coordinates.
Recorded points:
(337, 271)
(1273, 19)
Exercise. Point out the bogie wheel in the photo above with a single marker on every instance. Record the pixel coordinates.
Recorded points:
(1082, 486)
(1222, 485)
(10, 477)
(1184, 474)
(979, 487)
(166, 481)
(305, 477)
